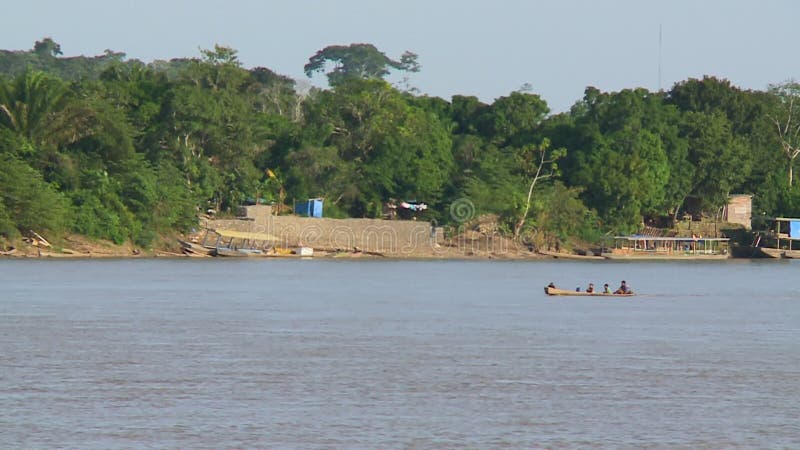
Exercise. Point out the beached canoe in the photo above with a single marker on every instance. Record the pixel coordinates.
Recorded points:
(556, 291)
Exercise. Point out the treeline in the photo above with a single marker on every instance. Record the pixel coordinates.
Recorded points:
(119, 149)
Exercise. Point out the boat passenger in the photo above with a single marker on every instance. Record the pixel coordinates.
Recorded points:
(578, 289)
(623, 288)
(590, 289)
(606, 289)
(551, 285)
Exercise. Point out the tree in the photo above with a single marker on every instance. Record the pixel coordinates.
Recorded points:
(388, 147)
(40, 108)
(541, 164)
(559, 213)
(512, 120)
(467, 114)
(358, 61)
(617, 155)
(489, 178)
(787, 122)
(730, 145)
(47, 47)
(54, 126)
(28, 202)
(624, 174)
(212, 129)
(717, 156)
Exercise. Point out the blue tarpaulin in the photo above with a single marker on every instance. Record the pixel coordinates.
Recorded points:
(794, 229)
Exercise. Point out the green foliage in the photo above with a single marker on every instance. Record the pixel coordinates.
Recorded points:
(784, 117)
(386, 148)
(560, 213)
(513, 119)
(789, 198)
(468, 113)
(492, 184)
(719, 159)
(28, 202)
(45, 57)
(621, 163)
(47, 47)
(100, 212)
(362, 61)
(123, 150)
(8, 227)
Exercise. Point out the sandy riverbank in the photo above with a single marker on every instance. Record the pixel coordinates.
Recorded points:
(76, 246)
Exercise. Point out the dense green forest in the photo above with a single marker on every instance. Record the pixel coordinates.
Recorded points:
(125, 150)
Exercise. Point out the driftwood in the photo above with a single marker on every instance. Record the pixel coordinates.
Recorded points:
(39, 240)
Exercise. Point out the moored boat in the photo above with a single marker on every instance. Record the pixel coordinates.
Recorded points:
(642, 247)
(780, 252)
(782, 241)
(193, 249)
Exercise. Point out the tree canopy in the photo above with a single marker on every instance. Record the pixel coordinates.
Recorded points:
(363, 61)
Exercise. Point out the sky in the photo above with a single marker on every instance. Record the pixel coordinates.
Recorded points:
(465, 47)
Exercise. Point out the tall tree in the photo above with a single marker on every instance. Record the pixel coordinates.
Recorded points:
(717, 156)
(618, 155)
(513, 119)
(358, 61)
(41, 109)
(213, 131)
(47, 47)
(540, 163)
(786, 121)
(393, 149)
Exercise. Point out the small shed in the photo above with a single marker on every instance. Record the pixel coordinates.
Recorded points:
(310, 208)
(739, 210)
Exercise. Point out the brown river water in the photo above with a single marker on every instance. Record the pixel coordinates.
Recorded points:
(314, 354)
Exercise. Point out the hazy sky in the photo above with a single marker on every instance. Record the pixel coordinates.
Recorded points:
(466, 47)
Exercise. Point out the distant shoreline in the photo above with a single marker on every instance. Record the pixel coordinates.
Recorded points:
(80, 247)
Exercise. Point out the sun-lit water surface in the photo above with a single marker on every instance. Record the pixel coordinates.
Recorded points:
(397, 354)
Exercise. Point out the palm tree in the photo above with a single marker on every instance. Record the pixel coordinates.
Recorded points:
(40, 109)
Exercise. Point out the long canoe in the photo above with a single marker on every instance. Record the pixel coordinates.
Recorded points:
(556, 291)
(192, 249)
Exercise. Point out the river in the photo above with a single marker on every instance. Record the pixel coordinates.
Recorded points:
(272, 353)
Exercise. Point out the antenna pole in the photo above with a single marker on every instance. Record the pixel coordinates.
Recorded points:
(659, 57)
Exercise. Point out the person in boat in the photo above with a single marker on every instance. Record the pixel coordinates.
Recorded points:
(578, 289)
(551, 285)
(623, 288)
(590, 289)
(606, 289)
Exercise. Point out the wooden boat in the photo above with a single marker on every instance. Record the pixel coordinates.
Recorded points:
(192, 249)
(555, 291)
(782, 240)
(238, 252)
(641, 247)
(231, 243)
(559, 255)
(780, 253)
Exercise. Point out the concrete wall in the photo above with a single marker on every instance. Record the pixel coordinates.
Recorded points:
(255, 211)
(390, 237)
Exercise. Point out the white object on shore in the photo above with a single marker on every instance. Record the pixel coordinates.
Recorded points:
(304, 251)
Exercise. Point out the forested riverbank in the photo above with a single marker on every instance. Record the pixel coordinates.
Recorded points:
(130, 151)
